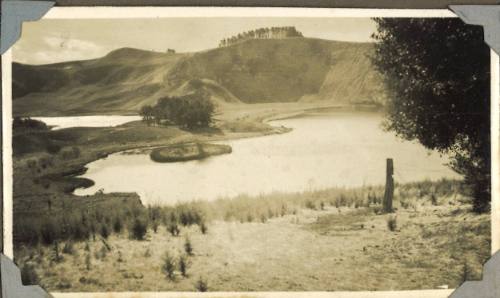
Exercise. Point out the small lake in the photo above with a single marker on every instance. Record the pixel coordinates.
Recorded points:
(87, 121)
(342, 149)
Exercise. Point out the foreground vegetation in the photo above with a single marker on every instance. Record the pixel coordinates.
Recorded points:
(69, 223)
(303, 241)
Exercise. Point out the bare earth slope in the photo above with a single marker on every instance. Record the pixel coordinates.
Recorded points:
(254, 71)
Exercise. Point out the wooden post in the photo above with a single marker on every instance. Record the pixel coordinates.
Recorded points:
(389, 186)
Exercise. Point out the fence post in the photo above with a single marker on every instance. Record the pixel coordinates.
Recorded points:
(389, 186)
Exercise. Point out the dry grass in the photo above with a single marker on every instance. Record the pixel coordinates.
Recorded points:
(306, 249)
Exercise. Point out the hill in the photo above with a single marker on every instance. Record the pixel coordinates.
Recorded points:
(253, 71)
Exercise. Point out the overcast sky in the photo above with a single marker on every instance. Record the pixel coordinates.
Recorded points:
(50, 41)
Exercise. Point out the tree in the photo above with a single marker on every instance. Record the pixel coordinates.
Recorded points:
(437, 75)
(146, 113)
(28, 124)
(191, 111)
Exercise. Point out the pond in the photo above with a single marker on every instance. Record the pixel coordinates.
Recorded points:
(336, 150)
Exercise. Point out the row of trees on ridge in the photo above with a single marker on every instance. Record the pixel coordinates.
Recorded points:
(262, 33)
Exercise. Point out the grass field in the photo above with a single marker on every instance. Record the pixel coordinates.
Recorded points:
(313, 243)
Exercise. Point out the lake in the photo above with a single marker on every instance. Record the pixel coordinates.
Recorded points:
(341, 149)
(87, 121)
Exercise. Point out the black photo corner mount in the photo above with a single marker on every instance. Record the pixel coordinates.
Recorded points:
(14, 13)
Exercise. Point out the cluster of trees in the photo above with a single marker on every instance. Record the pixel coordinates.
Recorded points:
(437, 72)
(190, 111)
(28, 124)
(262, 33)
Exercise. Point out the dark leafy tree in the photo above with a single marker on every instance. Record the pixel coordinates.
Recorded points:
(191, 111)
(437, 74)
(146, 113)
(28, 124)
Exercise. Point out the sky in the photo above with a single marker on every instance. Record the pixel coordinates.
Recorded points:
(55, 40)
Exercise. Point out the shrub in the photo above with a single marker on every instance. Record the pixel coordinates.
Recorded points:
(29, 275)
(466, 272)
(263, 218)
(392, 223)
(28, 124)
(64, 284)
(104, 231)
(139, 229)
(173, 228)
(70, 153)
(88, 261)
(155, 226)
(188, 247)
(68, 248)
(53, 148)
(117, 224)
(201, 285)
(103, 252)
(120, 257)
(183, 265)
(57, 256)
(169, 266)
(49, 231)
(283, 210)
(203, 228)
(434, 200)
(310, 205)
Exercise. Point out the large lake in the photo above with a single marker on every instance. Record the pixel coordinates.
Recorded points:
(342, 149)
(86, 121)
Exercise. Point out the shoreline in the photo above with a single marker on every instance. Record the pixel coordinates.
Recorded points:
(227, 136)
(86, 183)
(53, 178)
(63, 176)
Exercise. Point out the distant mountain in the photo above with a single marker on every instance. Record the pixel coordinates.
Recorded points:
(253, 71)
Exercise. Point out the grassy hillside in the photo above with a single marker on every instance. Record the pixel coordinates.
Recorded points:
(254, 71)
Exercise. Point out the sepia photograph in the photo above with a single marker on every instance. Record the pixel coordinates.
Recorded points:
(240, 154)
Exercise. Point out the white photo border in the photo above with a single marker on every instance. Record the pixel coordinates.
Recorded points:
(102, 12)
